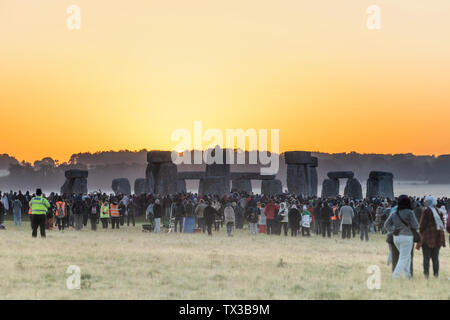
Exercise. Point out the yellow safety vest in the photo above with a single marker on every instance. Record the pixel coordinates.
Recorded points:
(39, 205)
(104, 213)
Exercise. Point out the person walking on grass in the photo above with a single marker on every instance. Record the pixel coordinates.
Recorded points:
(306, 221)
(262, 223)
(94, 213)
(364, 221)
(283, 212)
(294, 219)
(229, 217)
(252, 218)
(17, 212)
(78, 212)
(346, 214)
(431, 228)
(60, 213)
(158, 213)
(325, 219)
(200, 214)
(400, 222)
(39, 206)
(269, 211)
(104, 214)
(210, 217)
(179, 214)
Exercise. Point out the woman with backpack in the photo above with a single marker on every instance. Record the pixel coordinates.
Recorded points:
(403, 225)
(60, 213)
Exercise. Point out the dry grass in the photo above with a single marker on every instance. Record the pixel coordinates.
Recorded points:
(130, 264)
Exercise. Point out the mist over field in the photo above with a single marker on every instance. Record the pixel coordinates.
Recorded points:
(415, 175)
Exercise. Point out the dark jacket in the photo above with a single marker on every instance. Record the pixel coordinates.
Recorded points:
(78, 206)
(179, 211)
(122, 208)
(210, 215)
(252, 214)
(364, 217)
(294, 218)
(189, 210)
(157, 211)
(325, 214)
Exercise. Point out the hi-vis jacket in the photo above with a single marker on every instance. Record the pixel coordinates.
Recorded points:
(104, 211)
(114, 210)
(39, 205)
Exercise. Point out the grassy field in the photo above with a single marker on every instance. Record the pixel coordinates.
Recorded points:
(130, 264)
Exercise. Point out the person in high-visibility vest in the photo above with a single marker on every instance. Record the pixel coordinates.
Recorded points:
(104, 214)
(335, 220)
(114, 212)
(60, 213)
(39, 206)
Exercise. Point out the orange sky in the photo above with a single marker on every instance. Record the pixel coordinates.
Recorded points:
(139, 69)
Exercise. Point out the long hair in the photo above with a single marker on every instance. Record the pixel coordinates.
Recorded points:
(404, 202)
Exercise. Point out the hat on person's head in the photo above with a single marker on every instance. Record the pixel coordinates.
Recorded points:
(430, 201)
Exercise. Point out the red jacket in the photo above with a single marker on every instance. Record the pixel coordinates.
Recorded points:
(269, 210)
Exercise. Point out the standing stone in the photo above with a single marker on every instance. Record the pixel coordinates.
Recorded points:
(76, 173)
(80, 186)
(297, 157)
(297, 179)
(301, 173)
(330, 188)
(166, 179)
(244, 185)
(314, 177)
(161, 173)
(76, 182)
(121, 185)
(181, 186)
(314, 181)
(271, 187)
(67, 186)
(141, 186)
(214, 186)
(353, 189)
(380, 184)
(341, 174)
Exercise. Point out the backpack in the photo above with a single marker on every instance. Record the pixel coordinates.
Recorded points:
(60, 212)
(252, 215)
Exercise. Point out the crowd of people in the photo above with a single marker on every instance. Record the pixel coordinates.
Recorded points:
(404, 220)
